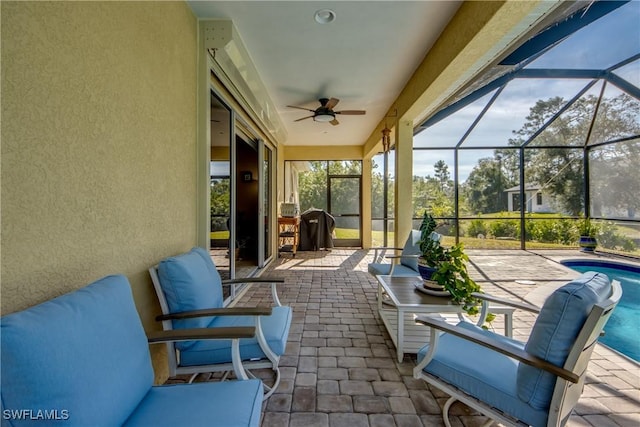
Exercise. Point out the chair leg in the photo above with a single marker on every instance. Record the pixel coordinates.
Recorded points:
(445, 411)
(275, 385)
(269, 389)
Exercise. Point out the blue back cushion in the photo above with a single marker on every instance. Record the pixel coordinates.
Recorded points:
(84, 352)
(191, 282)
(411, 247)
(554, 332)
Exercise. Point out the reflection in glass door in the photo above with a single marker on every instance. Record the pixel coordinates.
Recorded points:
(264, 226)
(344, 205)
(220, 187)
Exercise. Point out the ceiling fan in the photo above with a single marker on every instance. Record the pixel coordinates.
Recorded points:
(325, 113)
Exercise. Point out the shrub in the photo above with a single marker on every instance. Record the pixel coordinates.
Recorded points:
(552, 231)
(610, 239)
(477, 227)
(505, 228)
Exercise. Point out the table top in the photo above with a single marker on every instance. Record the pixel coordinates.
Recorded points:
(402, 292)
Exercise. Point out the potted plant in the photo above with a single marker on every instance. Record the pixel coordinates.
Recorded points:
(431, 251)
(448, 266)
(588, 232)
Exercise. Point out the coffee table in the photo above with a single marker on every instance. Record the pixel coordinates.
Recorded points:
(399, 302)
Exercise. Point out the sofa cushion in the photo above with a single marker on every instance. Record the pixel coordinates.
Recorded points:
(84, 352)
(378, 269)
(190, 281)
(492, 377)
(555, 330)
(229, 403)
(275, 329)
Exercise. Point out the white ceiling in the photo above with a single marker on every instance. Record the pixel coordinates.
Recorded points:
(364, 58)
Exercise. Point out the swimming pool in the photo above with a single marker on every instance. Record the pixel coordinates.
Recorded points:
(621, 331)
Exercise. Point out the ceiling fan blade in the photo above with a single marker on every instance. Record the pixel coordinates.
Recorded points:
(301, 108)
(351, 112)
(332, 103)
(308, 117)
(334, 122)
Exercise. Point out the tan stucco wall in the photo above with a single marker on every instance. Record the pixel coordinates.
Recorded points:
(98, 145)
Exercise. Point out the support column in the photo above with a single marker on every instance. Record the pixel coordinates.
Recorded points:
(366, 202)
(404, 181)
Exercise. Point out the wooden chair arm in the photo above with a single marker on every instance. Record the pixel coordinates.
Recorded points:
(503, 301)
(380, 251)
(499, 346)
(396, 258)
(229, 311)
(228, 333)
(201, 334)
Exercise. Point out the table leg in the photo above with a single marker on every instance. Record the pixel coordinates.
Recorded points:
(400, 338)
(508, 324)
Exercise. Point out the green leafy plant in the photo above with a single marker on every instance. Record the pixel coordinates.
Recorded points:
(452, 275)
(430, 249)
(587, 228)
(451, 267)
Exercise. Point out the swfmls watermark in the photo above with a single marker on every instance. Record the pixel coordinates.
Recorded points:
(36, 414)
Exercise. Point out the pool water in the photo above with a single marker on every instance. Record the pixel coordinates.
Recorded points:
(621, 331)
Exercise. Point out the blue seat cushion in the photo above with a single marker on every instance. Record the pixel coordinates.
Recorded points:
(486, 374)
(229, 403)
(190, 281)
(275, 328)
(383, 269)
(560, 320)
(84, 352)
(411, 247)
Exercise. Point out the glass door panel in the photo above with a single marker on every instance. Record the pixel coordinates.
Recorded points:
(344, 205)
(265, 161)
(220, 187)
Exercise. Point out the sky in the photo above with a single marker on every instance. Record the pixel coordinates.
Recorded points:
(600, 45)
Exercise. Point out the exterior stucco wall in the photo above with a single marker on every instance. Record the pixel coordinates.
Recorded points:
(98, 146)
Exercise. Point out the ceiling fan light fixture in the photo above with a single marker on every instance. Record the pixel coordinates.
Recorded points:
(324, 16)
(323, 117)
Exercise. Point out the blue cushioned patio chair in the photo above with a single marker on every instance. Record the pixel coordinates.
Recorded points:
(83, 359)
(536, 383)
(404, 264)
(189, 290)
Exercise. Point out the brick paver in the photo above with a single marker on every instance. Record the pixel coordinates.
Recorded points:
(340, 368)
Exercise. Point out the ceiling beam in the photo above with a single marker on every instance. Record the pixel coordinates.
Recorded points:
(478, 35)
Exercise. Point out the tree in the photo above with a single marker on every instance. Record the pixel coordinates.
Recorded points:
(434, 194)
(560, 170)
(312, 187)
(441, 171)
(485, 189)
